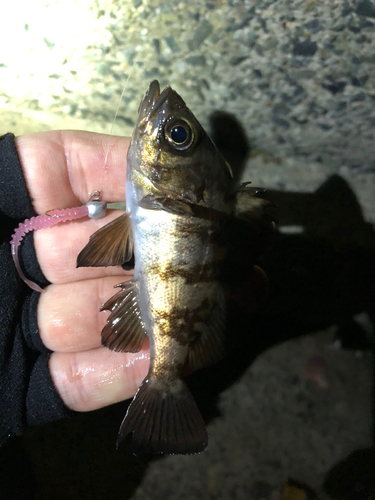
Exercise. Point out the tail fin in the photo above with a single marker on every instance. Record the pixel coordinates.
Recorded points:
(164, 419)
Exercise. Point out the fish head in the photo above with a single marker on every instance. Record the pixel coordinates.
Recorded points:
(173, 153)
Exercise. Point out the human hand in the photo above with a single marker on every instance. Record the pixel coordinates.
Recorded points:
(61, 169)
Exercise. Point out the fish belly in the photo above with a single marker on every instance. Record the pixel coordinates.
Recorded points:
(178, 279)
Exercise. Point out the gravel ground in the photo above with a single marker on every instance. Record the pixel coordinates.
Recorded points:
(276, 422)
(297, 80)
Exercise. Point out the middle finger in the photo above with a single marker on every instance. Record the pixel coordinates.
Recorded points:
(57, 249)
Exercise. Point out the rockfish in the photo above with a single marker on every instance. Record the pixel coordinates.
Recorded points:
(181, 204)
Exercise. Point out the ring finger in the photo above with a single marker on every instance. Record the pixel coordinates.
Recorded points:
(68, 315)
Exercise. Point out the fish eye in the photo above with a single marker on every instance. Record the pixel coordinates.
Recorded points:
(179, 134)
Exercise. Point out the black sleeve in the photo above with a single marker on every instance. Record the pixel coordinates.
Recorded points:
(27, 394)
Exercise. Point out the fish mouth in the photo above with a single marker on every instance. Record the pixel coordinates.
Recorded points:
(153, 100)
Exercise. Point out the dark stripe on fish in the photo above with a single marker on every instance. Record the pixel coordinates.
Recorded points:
(193, 274)
(180, 323)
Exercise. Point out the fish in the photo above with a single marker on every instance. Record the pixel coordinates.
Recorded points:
(182, 205)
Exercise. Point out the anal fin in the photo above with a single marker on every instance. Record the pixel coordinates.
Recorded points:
(124, 331)
(164, 419)
(111, 245)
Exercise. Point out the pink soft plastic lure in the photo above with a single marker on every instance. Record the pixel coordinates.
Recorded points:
(94, 209)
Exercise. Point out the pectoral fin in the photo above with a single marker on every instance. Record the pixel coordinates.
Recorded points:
(109, 246)
(253, 220)
(249, 206)
(124, 331)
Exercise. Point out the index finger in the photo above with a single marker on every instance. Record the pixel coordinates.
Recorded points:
(61, 168)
